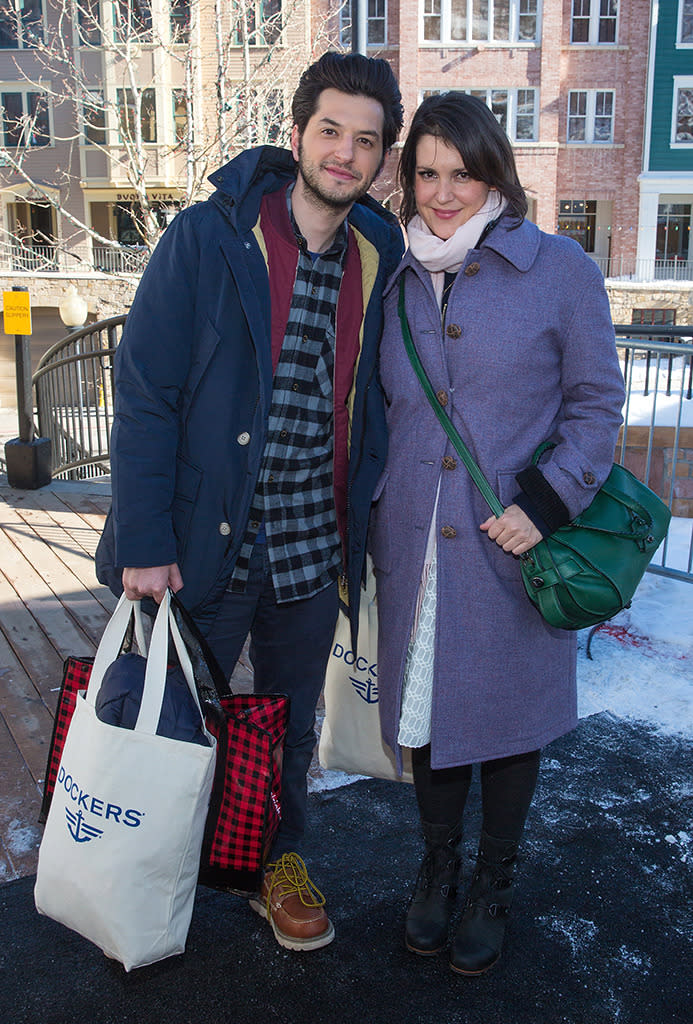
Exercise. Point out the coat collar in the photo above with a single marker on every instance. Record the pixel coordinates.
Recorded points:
(518, 245)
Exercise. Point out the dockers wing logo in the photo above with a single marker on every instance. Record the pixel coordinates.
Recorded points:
(80, 829)
(365, 684)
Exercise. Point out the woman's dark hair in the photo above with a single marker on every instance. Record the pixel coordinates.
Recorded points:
(356, 75)
(465, 123)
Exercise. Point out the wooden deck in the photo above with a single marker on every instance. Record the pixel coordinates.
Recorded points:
(51, 606)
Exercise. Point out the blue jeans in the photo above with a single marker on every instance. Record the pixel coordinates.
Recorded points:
(290, 645)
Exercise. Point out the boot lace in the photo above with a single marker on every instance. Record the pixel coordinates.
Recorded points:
(289, 875)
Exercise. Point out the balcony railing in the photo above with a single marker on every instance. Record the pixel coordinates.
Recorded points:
(623, 268)
(33, 258)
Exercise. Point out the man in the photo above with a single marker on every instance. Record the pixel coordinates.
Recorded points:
(249, 431)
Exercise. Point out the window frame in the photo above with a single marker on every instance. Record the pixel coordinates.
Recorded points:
(515, 14)
(125, 101)
(25, 90)
(345, 24)
(684, 44)
(679, 82)
(595, 19)
(100, 107)
(259, 22)
(22, 30)
(512, 106)
(590, 117)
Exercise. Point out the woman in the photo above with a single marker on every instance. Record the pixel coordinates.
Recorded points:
(513, 329)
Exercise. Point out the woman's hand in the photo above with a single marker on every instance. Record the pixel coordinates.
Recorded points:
(514, 531)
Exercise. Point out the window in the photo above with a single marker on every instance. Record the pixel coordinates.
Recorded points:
(653, 316)
(263, 23)
(577, 218)
(127, 111)
(685, 33)
(133, 18)
(376, 27)
(673, 231)
(25, 119)
(594, 21)
(516, 110)
(180, 115)
(468, 21)
(94, 114)
(682, 119)
(591, 115)
(21, 24)
(89, 23)
(180, 21)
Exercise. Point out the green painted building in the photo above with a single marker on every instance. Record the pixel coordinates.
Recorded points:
(666, 184)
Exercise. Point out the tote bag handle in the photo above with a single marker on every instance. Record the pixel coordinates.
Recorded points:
(157, 659)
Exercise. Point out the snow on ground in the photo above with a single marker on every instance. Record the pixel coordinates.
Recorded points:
(642, 660)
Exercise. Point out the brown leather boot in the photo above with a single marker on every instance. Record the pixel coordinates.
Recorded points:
(294, 907)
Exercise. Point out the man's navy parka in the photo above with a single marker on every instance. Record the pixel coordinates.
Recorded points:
(194, 385)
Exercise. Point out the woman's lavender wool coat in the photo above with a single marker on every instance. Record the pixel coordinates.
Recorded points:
(527, 354)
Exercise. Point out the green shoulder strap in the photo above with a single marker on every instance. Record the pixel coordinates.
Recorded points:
(460, 447)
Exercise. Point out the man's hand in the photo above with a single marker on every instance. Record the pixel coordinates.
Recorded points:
(514, 531)
(151, 582)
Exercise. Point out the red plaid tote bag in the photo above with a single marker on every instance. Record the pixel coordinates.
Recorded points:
(76, 672)
(250, 729)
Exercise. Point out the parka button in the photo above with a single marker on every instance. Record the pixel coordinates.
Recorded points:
(449, 462)
(243, 438)
(224, 529)
(449, 531)
(442, 397)
(453, 331)
(472, 269)
(588, 478)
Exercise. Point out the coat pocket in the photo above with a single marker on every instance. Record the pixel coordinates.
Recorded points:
(506, 566)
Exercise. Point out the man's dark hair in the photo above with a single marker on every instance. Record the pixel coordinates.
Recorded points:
(356, 75)
(465, 123)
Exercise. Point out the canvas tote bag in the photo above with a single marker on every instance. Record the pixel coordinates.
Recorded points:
(120, 852)
(350, 739)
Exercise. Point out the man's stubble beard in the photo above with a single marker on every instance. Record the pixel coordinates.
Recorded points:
(315, 193)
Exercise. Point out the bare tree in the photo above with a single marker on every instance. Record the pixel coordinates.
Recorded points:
(100, 71)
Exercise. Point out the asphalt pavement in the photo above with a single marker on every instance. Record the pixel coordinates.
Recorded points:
(600, 932)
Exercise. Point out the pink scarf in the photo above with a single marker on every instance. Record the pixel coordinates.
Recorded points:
(438, 255)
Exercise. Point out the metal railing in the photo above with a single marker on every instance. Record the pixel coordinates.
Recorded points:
(628, 268)
(657, 364)
(29, 257)
(74, 399)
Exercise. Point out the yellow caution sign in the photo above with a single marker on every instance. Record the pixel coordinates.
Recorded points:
(16, 312)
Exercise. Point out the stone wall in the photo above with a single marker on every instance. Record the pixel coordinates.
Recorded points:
(625, 296)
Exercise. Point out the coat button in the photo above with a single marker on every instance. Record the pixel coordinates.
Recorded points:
(224, 529)
(449, 531)
(243, 438)
(453, 331)
(472, 269)
(442, 397)
(588, 478)
(449, 462)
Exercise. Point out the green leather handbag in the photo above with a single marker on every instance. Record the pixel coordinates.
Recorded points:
(587, 571)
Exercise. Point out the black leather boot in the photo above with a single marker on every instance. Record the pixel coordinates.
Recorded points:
(433, 901)
(479, 938)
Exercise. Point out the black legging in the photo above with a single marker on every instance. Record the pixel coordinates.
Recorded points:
(507, 788)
